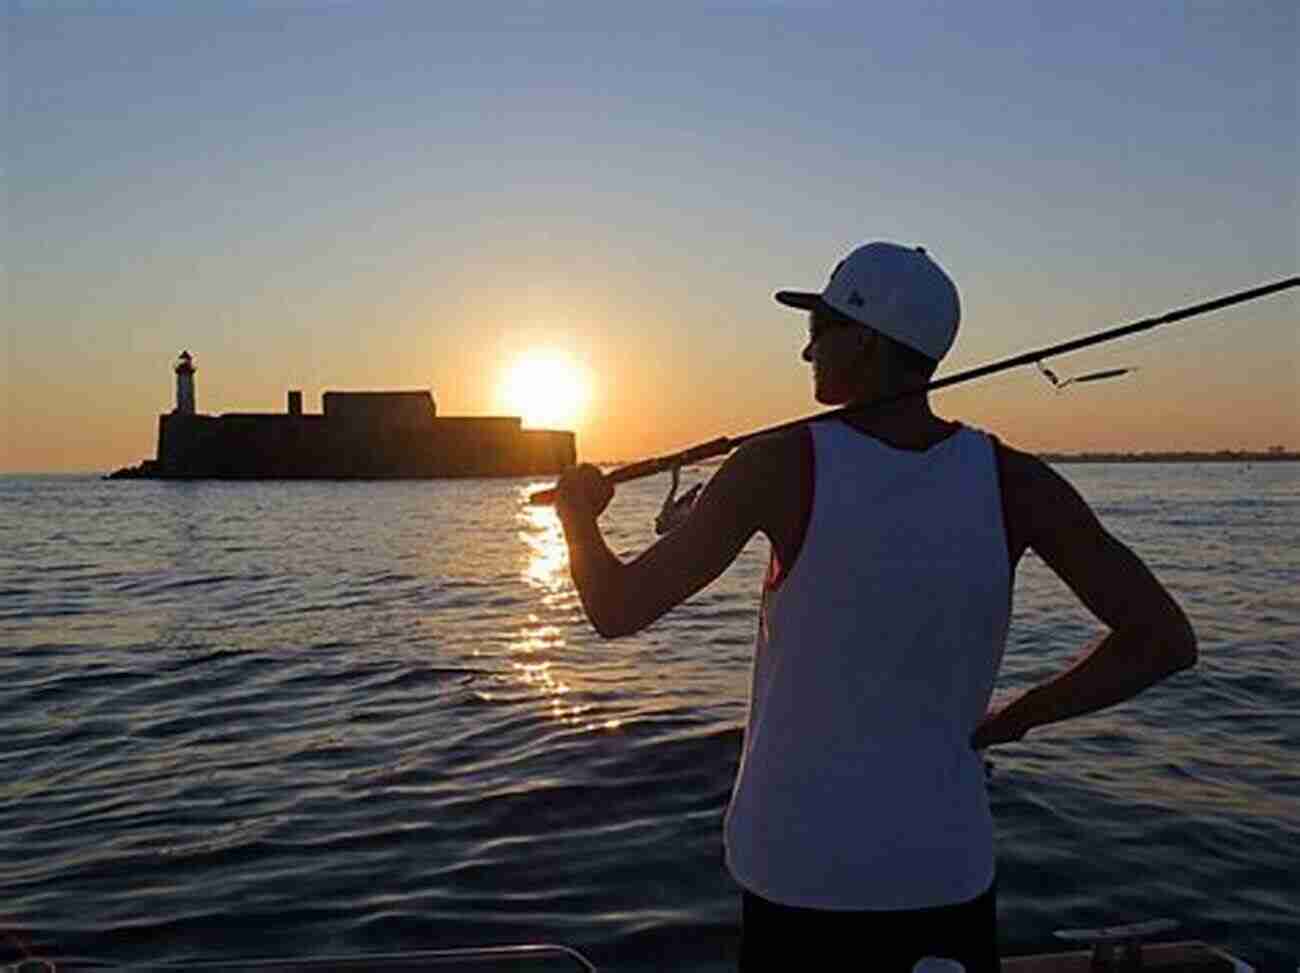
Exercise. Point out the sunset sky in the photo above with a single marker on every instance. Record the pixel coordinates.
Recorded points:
(349, 195)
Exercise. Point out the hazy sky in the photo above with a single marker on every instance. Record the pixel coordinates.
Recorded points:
(413, 195)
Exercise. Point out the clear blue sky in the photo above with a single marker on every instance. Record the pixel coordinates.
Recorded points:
(346, 195)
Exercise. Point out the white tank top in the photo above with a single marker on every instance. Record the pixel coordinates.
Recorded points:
(876, 657)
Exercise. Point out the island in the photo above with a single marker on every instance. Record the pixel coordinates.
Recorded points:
(356, 435)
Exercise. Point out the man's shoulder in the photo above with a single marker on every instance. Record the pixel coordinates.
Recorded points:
(767, 476)
(1018, 468)
(774, 452)
(1035, 495)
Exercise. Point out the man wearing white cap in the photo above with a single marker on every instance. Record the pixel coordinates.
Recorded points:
(859, 815)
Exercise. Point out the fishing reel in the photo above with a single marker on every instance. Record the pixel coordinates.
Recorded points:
(675, 509)
(30, 964)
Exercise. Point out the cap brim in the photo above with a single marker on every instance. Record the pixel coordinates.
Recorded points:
(804, 300)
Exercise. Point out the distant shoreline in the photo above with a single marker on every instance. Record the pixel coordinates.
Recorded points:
(1222, 456)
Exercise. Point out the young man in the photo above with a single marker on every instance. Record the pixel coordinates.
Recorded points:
(859, 815)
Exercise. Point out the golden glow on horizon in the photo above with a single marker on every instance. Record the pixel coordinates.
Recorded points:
(547, 389)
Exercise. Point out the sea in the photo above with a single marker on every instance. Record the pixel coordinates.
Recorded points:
(257, 719)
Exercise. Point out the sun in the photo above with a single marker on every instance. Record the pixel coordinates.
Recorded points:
(548, 390)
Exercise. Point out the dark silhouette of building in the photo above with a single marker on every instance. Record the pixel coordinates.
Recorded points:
(357, 435)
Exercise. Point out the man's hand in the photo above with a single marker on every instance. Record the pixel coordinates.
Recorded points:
(998, 726)
(1148, 637)
(582, 493)
(624, 598)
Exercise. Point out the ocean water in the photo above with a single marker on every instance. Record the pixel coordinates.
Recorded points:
(321, 718)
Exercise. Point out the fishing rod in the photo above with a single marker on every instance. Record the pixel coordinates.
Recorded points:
(725, 444)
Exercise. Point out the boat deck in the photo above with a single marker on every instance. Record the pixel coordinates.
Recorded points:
(1184, 957)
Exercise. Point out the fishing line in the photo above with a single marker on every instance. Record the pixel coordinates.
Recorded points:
(1061, 384)
(725, 444)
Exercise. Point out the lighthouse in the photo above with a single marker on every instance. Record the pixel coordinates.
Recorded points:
(184, 385)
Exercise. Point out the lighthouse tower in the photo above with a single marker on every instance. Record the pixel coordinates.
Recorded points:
(184, 385)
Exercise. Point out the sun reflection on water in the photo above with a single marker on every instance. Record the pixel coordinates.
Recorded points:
(547, 563)
(545, 568)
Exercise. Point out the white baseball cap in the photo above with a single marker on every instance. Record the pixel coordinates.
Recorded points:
(896, 290)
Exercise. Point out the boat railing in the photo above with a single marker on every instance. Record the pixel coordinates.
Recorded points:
(528, 958)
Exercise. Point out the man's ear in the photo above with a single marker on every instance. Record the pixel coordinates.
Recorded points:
(870, 361)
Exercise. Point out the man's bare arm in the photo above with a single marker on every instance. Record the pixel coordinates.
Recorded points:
(624, 598)
(1149, 638)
